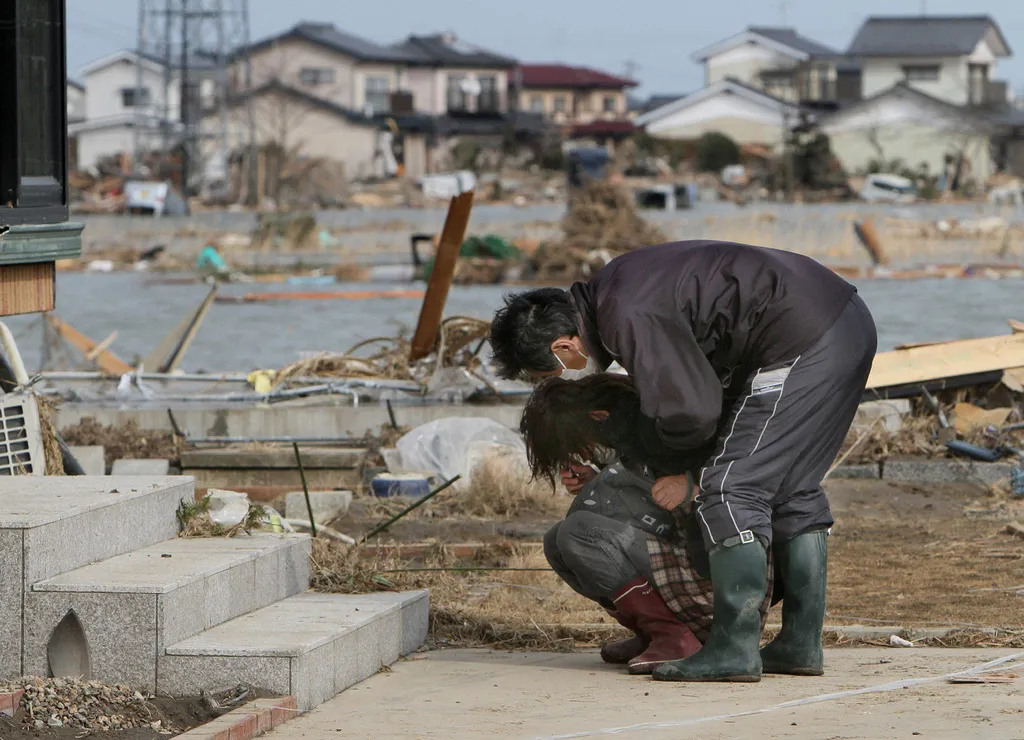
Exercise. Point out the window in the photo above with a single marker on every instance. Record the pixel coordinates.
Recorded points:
(608, 105)
(921, 73)
(33, 118)
(378, 94)
(536, 104)
(456, 98)
(560, 104)
(135, 97)
(488, 101)
(977, 84)
(317, 76)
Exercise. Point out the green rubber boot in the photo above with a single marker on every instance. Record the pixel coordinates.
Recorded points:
(739, 575)
(796, 650)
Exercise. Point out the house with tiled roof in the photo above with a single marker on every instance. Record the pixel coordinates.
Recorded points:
(587, 103)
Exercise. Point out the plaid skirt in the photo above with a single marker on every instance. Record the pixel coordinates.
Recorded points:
(676, 562)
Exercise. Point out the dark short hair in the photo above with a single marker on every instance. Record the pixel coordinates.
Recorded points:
(556, 423)
(523, 330)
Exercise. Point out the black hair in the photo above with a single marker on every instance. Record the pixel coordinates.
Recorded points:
(557, 426)
(523, 330)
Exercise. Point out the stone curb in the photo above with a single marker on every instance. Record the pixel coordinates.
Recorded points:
(927, 471)
(10, 701)
(254, 719)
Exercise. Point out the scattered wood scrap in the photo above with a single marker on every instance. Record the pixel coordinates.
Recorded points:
(947, 360)
(1016, 529)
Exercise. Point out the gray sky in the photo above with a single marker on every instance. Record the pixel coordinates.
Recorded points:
(656, 37)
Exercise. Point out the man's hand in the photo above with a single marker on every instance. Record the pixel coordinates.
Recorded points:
(576, 476)
(671, 491)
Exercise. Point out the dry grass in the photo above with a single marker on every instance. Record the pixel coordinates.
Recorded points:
(916, 438)
(194, 520)
(124, 441)
(510, 609)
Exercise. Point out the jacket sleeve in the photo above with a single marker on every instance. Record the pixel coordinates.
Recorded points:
(679, 390)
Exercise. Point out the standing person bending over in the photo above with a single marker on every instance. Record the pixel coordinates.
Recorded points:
(754, 360)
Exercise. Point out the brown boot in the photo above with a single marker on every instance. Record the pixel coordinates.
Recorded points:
(670, 639)
(622, 651)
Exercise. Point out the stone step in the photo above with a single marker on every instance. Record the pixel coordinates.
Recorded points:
(50, 526)
(132, 606)
(312, 646)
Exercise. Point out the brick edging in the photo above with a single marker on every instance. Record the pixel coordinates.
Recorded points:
(9, 702)
(245, 723)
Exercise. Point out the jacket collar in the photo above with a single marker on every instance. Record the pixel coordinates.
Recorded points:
(582, 295)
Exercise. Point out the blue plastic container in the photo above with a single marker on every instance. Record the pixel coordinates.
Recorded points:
(386, 485)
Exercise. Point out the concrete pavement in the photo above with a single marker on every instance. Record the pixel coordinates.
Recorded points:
(469, 694)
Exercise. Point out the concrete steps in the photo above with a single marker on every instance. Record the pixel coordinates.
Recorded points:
(131, 606)
(311, 646)
(94, 581)
(51, 526)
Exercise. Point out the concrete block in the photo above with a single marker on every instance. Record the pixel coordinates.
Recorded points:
(120, 631)
(195, 584)
(891, 413)
(331, 641)
(10, 603)
(102, 516)
(188, 675)
(91, 458)
(327, 505)
(313, 458)
(946, 471)
(234, 479)
(858, 471)
(140, 467)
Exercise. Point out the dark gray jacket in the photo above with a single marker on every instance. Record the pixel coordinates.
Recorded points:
(690, 321)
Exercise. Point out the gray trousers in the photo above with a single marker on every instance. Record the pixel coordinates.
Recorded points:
(780, 438)
(597, 555)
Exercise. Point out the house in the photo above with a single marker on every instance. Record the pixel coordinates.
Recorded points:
(952, 58)
(425, 90)
(76, 101)
(587, 103)
(745, 113)
(451, 77)
(782, 63)
(905, 123)
(132, 101)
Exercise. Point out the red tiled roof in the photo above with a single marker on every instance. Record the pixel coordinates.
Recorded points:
(562, 75)
(603, 128)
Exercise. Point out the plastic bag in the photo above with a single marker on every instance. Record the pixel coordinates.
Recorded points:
(455, 446)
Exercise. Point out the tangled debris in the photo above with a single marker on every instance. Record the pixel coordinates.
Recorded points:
(459, 342)
(124, 441)
(602, 223)
(195, 521)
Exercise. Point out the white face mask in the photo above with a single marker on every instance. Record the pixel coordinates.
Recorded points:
(590, 369)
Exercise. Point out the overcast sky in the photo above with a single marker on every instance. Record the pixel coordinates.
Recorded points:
(651, 38)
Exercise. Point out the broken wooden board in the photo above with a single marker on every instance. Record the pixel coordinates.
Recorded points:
(1016, 529)
(106, 360)
(969, 418)
(441, 275)
(172, 348)
(946, 360)
(1017, 327)
(986, 678)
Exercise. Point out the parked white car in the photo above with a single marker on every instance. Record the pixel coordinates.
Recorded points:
(881, 188)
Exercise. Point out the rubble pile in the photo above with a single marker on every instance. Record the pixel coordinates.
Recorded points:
(87, 705)
(602, 223)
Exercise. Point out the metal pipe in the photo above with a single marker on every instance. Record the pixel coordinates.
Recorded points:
(277, 440)
(406, 510)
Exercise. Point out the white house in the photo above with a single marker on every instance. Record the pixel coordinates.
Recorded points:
(952, 58)
(123, 92)
(905, 123)
(744, 113)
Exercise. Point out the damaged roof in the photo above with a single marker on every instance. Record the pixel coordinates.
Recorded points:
(915, 36)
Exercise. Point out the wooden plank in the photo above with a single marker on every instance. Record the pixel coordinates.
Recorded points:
(106, 360)
(1017, 327)
(947, 360)
(28, 288)
(169, 353)
(447, 257)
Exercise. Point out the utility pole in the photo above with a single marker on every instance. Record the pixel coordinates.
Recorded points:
(199, 49)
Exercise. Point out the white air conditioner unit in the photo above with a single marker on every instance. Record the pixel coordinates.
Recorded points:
(21, 437)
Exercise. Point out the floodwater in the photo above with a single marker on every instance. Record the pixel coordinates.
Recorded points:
(241, 337)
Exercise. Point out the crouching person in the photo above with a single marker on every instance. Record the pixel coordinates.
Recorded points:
(616, 546)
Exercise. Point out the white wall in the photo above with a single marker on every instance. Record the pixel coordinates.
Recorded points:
(95, 145)
(744, 120)
(76, 103)
(285, 60)
(103, 90)
(881, 74)
(745, 63)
